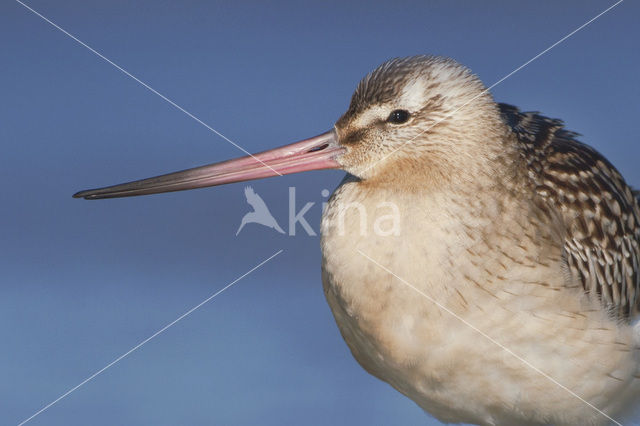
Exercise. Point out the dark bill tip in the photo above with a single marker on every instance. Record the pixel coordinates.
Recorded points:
(315, 153)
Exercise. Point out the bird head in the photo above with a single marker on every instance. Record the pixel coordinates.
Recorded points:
(414, 118)
(420, 115)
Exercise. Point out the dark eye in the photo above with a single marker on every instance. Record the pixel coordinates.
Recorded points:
(398, 116)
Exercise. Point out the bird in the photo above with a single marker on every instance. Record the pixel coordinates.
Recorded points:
(260, 213)
(479, 259)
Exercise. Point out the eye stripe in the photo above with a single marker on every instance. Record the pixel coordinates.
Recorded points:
(353, 137)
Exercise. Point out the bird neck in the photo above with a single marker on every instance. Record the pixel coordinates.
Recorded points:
(467, 166)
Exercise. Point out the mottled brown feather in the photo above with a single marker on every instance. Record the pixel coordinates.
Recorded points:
(600, 211)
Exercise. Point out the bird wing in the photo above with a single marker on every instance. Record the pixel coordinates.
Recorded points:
(249, 193)
(254, 200)
(600, 211)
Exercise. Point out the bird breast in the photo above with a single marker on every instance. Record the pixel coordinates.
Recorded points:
(414, 281)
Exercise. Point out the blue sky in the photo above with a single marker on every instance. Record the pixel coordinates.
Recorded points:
(83, 282)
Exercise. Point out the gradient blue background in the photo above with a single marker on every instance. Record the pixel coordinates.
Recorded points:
(83, 282)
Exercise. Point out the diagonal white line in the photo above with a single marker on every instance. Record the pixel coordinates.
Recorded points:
(136, 347)
(491, 339)
(554, 44)
(145, 85)
(496, 83)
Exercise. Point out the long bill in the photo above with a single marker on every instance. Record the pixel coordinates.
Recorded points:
(316, 153)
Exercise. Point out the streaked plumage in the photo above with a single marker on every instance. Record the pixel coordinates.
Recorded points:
(508, 222)
(600, 211)
(479, 259)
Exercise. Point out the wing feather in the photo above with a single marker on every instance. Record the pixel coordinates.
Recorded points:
(600, 211)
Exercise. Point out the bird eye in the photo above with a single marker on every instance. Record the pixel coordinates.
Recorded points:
(398, 116)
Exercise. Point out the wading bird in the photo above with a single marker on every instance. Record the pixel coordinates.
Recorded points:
(511, 293)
